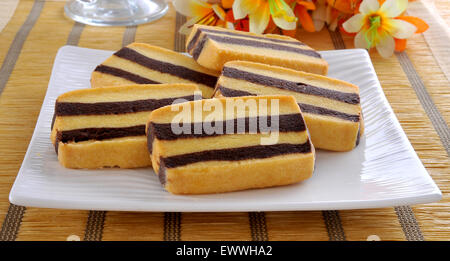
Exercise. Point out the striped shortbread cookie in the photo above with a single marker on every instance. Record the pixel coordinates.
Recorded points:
(105, 127)
(227, 145)
(212, 47)
(331, 107)
(147, 64)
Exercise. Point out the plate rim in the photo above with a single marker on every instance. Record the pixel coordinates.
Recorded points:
(18, 198)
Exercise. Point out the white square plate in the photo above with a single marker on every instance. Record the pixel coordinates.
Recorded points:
(382, 171)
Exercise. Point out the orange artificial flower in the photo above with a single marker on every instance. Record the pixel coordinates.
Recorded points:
(301, 8)
(345, 6)
(226, 4)
(242, 25)
(342, 30)
(301, 11)
(229, 16)
(326, 13)
(400, 44)
(417, 22)
(271, 27)
(238, 24)
(380, 24)
(200, 12)
(260, 12)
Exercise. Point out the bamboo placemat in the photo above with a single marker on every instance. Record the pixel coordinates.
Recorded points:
(413, 82)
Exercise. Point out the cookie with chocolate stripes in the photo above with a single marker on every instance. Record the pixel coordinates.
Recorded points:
(212, 47)
(229, 144)
(147, 64)
(105, 127)
(331, 107)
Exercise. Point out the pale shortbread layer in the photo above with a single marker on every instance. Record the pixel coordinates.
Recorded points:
(224, 176)
(132, 92)
(99, 79)
(295, 76)
(330, 133)
(214, 109)
(310, 99)
(126, 152)
(215, 55)
(66, 123)
(167, 148)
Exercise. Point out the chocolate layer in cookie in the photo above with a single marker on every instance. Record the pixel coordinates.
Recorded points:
(144, 63)
(239, 151)
(118, 107)
(251, 43)
(195, 38)
(105, 127)
(331, 107)
(212, 47)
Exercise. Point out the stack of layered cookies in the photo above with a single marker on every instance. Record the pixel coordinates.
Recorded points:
(242, 111)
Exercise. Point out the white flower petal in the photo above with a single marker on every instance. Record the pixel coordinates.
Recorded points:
(219, 12)
(238, 11)
(320, 13)
(282, 22)
(318, 25)
(191, 8)
(402, 29)
(182, 7)
(360, 41)
(354, 24)
(369, 6)
(386, 46)
(328, 12)
(241, 8)
(319, 16)
(393, 8)
(258, 21)
(187, 27)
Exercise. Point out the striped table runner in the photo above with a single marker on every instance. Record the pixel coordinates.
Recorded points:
(413, 82)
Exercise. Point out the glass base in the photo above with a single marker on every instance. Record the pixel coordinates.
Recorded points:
(115, 12)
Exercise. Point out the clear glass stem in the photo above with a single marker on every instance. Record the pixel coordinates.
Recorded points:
(115, 12)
